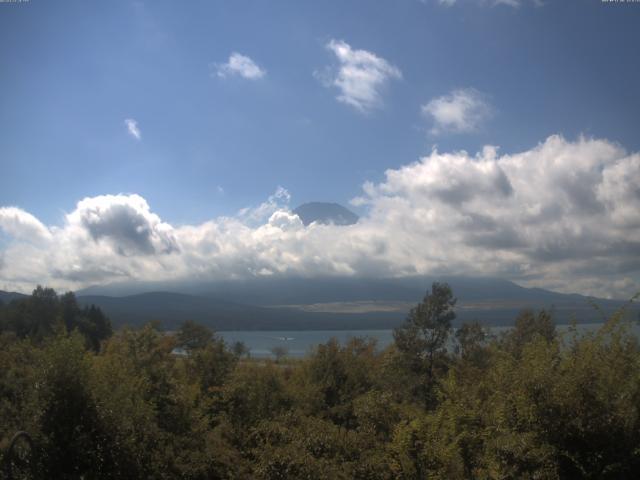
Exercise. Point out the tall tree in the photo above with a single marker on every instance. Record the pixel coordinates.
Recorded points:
(529, 325)
(193, 336)
(423, 337)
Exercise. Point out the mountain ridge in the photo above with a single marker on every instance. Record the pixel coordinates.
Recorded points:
(332, 303)
(325, 213)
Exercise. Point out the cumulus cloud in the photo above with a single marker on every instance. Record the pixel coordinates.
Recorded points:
(562, 215)
(461, 111)
(360, 76)
(278, 201)
(126, 221)
(239, 65)
(22, 225)
(132, 128)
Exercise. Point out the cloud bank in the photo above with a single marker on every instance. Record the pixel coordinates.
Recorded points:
(360, 76)
(562, 215)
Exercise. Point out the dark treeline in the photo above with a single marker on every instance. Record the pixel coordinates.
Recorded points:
(45, 313)
(528, 404)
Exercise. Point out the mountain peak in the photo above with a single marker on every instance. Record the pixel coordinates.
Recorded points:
(325, 213)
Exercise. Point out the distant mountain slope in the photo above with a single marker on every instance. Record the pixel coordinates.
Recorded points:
(326, 213)
(340, 303)
(269, 291)
(6, 297)
(171, 309)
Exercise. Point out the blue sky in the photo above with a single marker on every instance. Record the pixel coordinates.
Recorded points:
(73, 71)
(456, 75)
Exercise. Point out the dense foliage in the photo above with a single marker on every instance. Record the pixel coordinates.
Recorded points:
(529, 404)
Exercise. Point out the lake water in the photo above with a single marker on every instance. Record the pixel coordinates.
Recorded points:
(299, 343)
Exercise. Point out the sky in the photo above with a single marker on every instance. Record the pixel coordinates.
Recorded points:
(168, 140)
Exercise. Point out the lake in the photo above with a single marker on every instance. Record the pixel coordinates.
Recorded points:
(300, 342)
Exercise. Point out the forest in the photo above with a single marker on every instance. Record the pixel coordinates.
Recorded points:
(439, 403)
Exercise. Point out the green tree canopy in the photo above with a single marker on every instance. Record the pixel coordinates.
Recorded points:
(193, 336)
(422, 339)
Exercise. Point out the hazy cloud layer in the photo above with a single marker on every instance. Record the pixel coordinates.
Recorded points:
(239, 65)
(360, 76)
(461, 111)
(563, 215)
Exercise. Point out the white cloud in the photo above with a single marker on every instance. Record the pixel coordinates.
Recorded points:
(562, 215)
(239, 65)
(278, 201)
(461, 111)
(22, 225)
(492, 3)
(360, 76)
(132, 128)
(125, 221)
